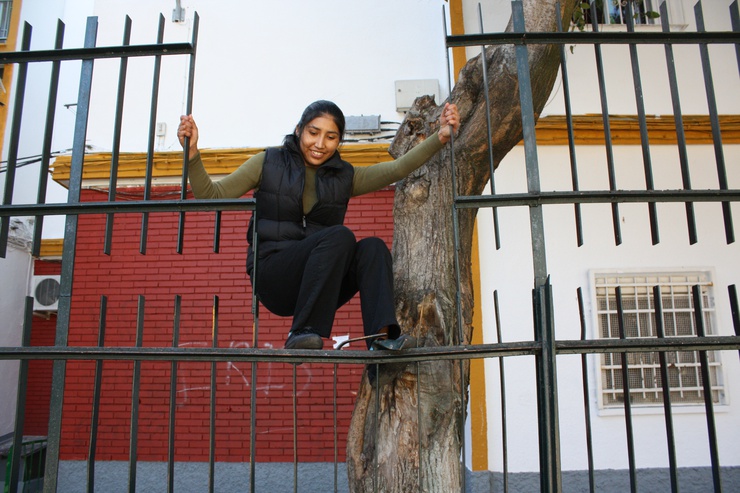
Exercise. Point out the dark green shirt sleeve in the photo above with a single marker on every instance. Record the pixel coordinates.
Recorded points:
(371, 178)
(242, 180)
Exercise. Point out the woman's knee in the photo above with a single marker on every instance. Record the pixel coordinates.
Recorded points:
(340, 236)
(374, 246)
(373, 254)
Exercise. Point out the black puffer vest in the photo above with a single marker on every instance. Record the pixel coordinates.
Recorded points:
(280, 200)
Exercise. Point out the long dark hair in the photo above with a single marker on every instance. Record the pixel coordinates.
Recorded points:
(315, 110)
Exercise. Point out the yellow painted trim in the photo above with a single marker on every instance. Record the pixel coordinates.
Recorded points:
(625, 130)
(457, 26)
(51, 248)
(478, 401)
(7, 79)
(551, 130)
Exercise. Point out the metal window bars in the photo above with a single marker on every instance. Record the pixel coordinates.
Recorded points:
(544, 347)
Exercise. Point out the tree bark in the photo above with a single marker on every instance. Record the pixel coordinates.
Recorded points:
(410, 439)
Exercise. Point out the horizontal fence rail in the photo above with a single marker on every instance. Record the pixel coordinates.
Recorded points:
(346, 356)
(128, 207)
(592, 38)
(99, 52)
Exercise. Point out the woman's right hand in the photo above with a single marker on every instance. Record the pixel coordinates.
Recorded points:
(188, 129)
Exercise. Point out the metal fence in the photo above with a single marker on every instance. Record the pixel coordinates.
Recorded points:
(545, 347)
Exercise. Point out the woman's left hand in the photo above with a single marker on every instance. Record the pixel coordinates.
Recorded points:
(449, 122)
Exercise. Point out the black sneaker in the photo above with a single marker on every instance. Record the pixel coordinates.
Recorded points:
(404, 341)
(304, 338)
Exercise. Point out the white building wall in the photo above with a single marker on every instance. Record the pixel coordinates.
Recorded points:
(15, 266)
(509, 270)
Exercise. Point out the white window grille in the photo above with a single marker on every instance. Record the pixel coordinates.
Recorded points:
(638, 311)
(6, 6)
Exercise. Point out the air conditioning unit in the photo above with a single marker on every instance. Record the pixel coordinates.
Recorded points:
(45, 292)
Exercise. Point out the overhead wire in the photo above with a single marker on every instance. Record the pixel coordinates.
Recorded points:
(35, 158)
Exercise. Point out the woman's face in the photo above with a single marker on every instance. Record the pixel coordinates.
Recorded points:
(319, 140)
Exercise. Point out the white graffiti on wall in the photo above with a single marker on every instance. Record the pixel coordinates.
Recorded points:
(240, 374)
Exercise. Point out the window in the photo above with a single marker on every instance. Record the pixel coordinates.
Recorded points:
(6, 6)
(615, 12)
(638, 305)
(612, 15)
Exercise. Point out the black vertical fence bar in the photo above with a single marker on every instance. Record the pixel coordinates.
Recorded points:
(491, 164)
(15, 133)
(550, 475)
(135, 385)
(376, 485)
(295, 429)
(569, 124)
(217, 232)
(502, 385)
(255, 338)
(714, 120)
(116, 149)
(336, 427)
(550, 469)
(186, 148)
(607, 127)
(173, 399)
(68, 260)
(20, 405)
(536, 220)
(626, 397)
(253, 427)
(735, 20)
(683, 156)
(734, 309)
(706, 382)
(212, 428)
(458, 301)
(152, 136)
(666, 386)
(46, 145)
(586, 396)
(549, 455)
(644, 140)
(550, 387)
(419, 477)
(95, 417)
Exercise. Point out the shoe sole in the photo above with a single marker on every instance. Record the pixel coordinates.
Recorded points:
(306, 342)
(396, 344)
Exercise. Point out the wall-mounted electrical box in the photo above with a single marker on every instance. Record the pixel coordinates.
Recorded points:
(363, 124)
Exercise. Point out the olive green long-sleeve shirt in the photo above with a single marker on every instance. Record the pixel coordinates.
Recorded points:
(366, 178)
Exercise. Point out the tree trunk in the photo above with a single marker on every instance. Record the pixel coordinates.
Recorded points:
(394, 444)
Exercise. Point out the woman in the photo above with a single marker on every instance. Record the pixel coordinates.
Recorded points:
(310, 264)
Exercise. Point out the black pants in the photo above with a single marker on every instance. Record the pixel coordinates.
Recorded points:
(312, 278)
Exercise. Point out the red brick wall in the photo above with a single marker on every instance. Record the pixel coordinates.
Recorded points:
(198, 274)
